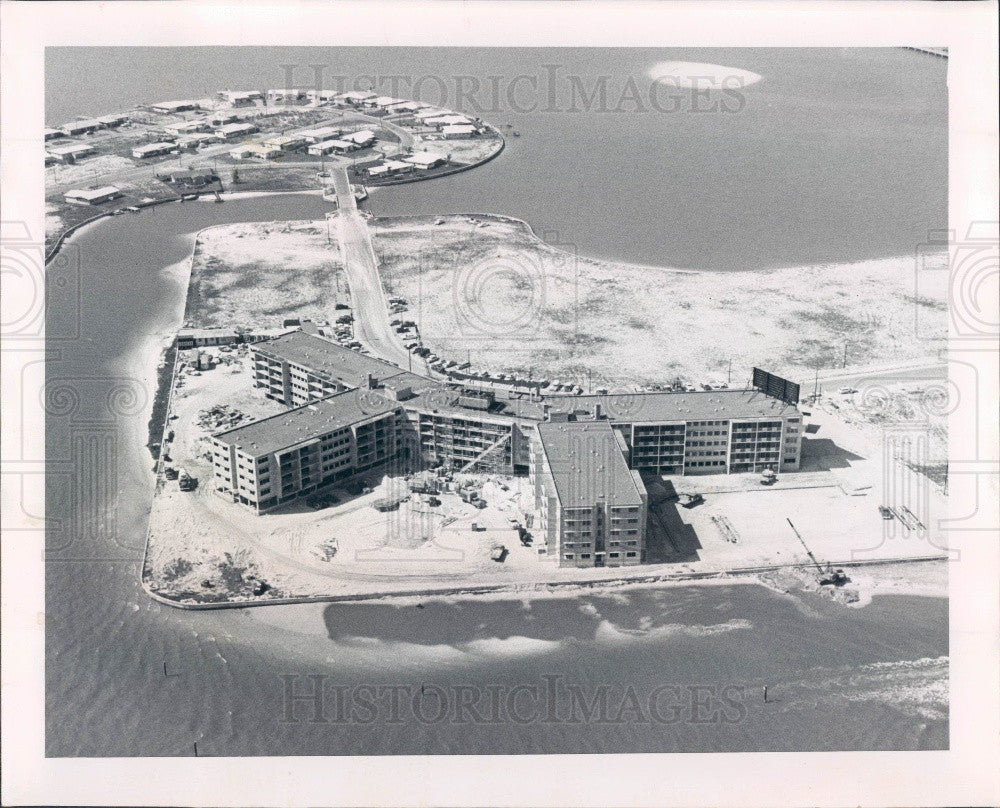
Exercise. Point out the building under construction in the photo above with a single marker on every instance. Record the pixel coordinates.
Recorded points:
(349, 412)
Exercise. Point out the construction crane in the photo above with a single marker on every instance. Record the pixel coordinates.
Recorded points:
(827, 575)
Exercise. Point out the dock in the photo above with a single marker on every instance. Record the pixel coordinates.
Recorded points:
(941, 53)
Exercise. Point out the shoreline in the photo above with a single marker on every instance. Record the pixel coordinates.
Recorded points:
(541, 589)
(145, 361)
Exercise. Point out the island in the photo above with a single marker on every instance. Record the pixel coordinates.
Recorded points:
(366, 408)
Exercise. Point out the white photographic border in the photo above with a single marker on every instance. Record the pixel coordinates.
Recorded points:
(966, 774)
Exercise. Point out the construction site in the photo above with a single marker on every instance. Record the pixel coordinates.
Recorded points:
(295, 467)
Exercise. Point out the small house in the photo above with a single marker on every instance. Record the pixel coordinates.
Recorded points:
(92, 196)
(152, 150)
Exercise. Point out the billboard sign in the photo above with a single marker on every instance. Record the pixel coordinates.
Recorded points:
(776, 386)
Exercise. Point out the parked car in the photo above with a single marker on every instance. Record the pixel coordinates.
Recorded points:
(885, 512)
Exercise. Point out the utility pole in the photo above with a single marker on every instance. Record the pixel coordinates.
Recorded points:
(730, 379)
(845, 354)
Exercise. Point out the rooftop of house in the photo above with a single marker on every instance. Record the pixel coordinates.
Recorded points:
(93, 193)
(588, 466)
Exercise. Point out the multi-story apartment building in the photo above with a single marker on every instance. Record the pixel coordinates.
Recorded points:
(352, 412)
(592, 506)
(268, 462)
(298, 367)
(711, 432)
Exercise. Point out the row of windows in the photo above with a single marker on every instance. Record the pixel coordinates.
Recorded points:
(585, 556)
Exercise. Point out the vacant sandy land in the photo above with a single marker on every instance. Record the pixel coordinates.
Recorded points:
(259, 274)
(486, 285)
(464, 151)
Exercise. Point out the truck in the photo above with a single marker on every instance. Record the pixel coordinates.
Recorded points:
(690, 500)
(185, 481)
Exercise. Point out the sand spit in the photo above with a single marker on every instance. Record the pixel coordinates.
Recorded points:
(701, 76)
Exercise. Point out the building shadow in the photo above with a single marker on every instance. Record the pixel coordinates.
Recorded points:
(822, 454)
(436, 623)
(669, 539)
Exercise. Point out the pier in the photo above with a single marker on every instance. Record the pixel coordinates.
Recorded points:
(941, 53)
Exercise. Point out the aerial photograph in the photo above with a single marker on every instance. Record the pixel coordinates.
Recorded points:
(495, 401)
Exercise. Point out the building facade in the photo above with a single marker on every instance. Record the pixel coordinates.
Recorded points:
(710, 432)
(591, 505)
(272, 461)
(584, 454)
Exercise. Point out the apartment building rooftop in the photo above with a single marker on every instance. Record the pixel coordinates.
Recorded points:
(659, 406)
(587, 465)
(323, 356)
(305, 423)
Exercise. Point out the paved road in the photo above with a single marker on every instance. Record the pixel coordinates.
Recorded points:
(368, 299)
(902, 372)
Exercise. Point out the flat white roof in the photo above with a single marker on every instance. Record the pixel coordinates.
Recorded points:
(93, 193)
(358, 137)
(154, 147)
(70, 148)
(334, 144)
(423, 157)
(448, 119)
(357, 95)
(229, 128)
(462, 129)
(173, 104)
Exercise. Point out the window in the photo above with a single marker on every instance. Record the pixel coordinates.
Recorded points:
(584, 555)
(630, 555)
(568, 556)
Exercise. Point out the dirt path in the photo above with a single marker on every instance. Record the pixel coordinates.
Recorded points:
(371, 309)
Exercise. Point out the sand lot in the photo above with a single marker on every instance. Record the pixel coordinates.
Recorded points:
(204, 548)
(259, 274)
(485, 289)
(487, 286)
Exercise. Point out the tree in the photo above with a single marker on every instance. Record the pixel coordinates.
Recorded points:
(236, 176)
